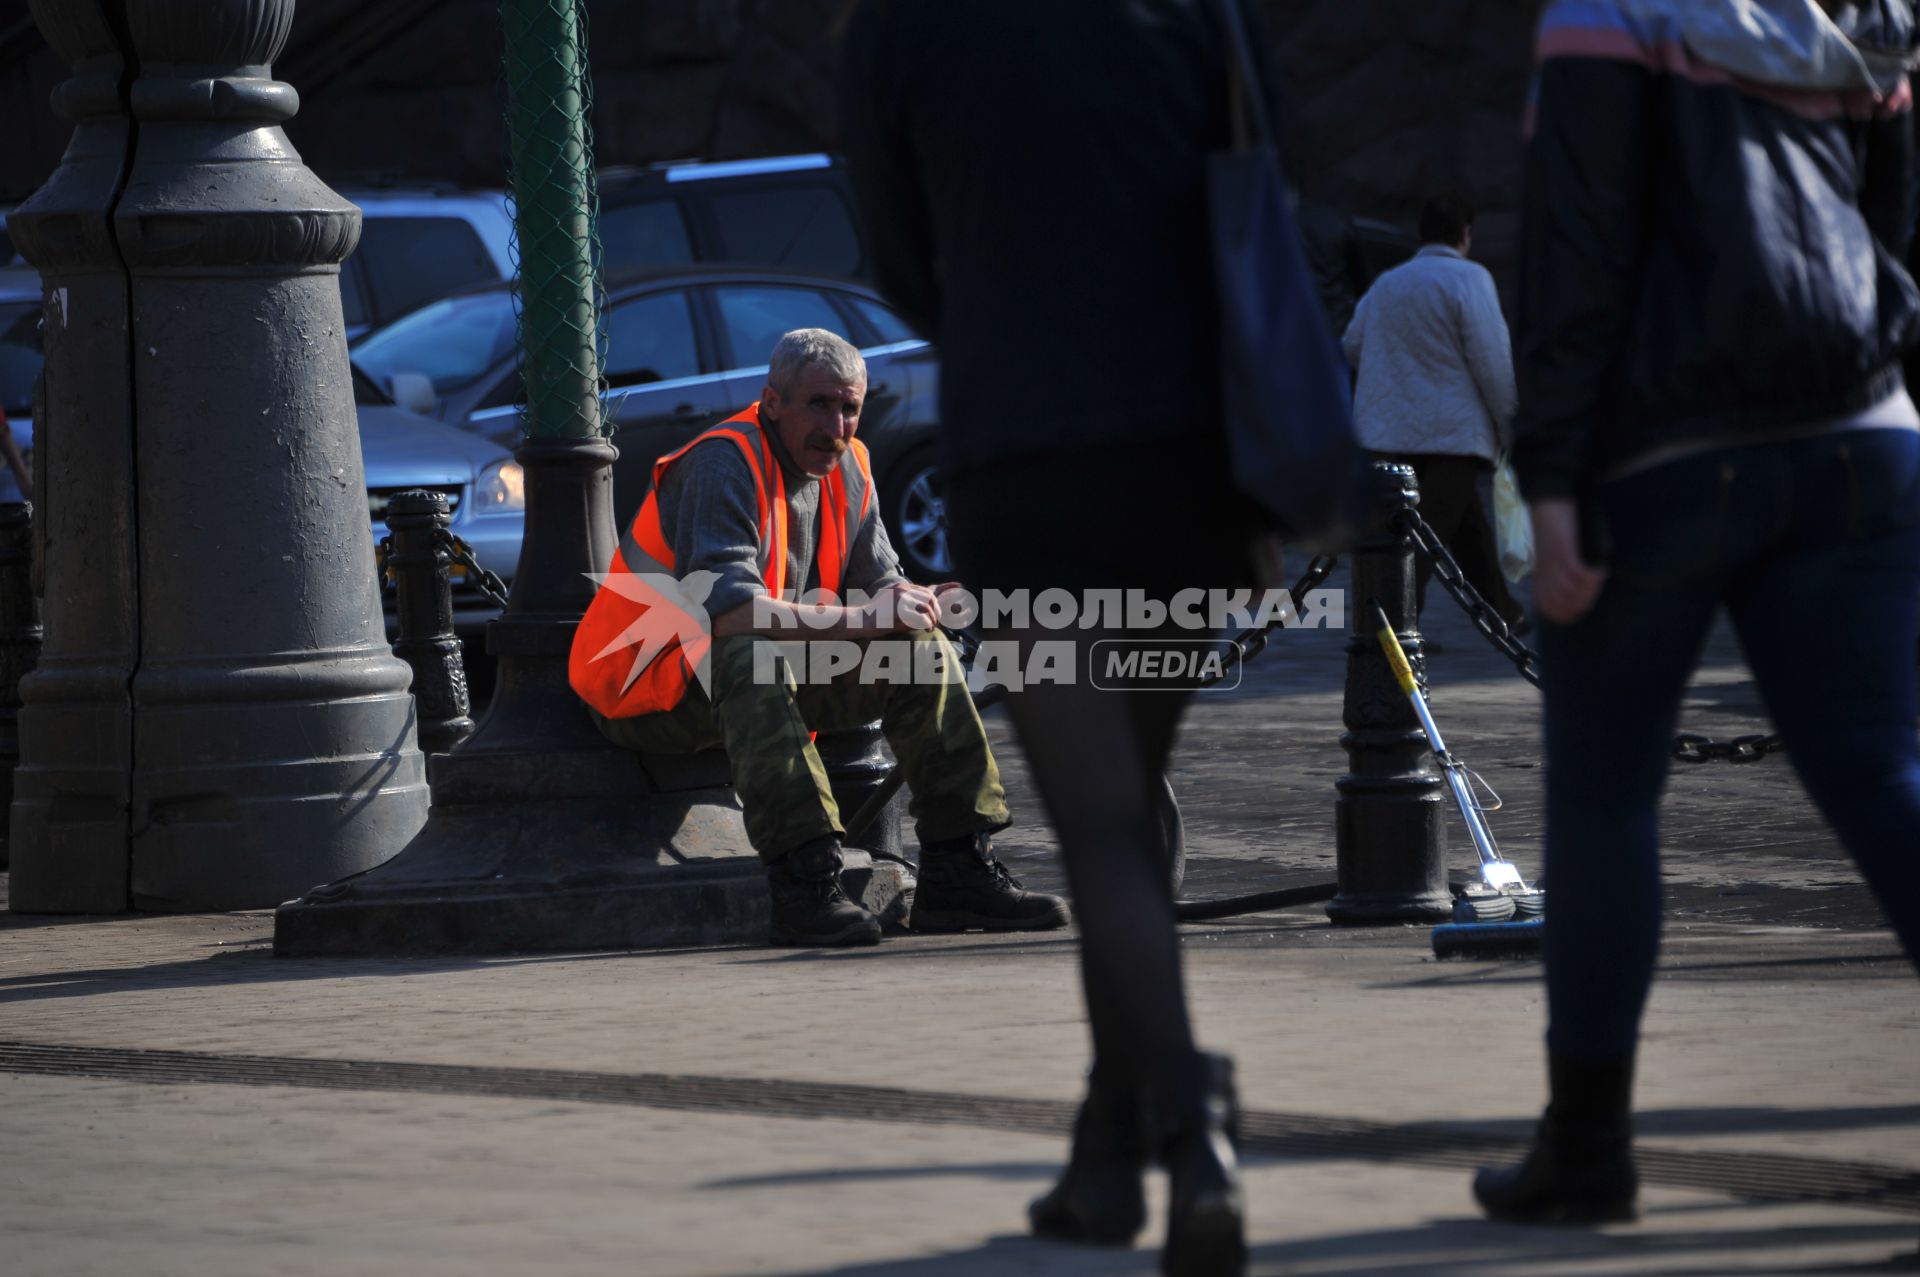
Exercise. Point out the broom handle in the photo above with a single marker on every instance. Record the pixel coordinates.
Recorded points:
(1477, 829)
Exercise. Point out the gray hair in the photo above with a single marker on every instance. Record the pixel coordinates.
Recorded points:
(805, 348)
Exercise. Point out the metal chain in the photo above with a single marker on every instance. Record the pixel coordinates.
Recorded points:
(457, 551)
(1492, 626)
(1248, 644)
(1688, 747)
(460, 552)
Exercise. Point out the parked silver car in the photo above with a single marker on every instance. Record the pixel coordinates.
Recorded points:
(419, 243)
(483, 484)
(19, 364)
(401, 450)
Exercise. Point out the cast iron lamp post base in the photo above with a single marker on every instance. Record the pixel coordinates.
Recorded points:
(545, 837)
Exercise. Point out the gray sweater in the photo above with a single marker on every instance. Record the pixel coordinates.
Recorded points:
(1434, 360)
(709, 515)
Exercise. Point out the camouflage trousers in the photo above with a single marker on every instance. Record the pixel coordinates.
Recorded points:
(762, 714)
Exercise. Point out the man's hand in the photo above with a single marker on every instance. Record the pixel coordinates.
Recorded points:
(902, 606)
(950, 599)
(1564, 584)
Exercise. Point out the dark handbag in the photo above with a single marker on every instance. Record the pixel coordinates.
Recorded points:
(1289, 407)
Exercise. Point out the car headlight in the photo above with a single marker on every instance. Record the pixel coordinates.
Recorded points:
(502, 488)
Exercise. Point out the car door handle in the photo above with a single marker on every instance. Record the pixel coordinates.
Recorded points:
(881, 389)
(688, 412)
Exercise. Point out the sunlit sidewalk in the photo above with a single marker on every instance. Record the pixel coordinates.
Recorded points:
(173, 1099)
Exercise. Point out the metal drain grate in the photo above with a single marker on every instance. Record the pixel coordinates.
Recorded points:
(1754, 1176)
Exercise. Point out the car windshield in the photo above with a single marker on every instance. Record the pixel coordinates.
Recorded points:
(452, 342)
(19, 355)
(365, 391)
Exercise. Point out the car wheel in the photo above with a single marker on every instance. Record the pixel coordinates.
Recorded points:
(918, 524)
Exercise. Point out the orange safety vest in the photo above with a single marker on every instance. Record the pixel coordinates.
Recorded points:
(623, 667)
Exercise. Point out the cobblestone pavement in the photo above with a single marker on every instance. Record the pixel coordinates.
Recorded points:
(888, 1112)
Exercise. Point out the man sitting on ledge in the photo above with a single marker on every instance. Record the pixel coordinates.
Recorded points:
(768, 507)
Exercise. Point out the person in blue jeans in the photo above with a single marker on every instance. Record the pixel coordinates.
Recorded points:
(1712, 315)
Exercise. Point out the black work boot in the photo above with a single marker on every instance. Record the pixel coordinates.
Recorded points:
(1580, 1169)
(1100, 1199)
(963, 888)
(1197, 1126)
(809, 906)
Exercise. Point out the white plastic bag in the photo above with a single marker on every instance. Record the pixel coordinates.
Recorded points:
(1512, 525)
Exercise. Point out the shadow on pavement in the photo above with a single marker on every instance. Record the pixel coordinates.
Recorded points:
(1529, 971)
(1040, 1172)
(908, 946)
(252, 962)
(36, 921)
(1718, 1121)
(1448, 1248)
(1461, 1246)
(249, 960)
(1009, 1253)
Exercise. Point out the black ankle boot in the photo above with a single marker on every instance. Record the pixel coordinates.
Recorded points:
(1580, 1169)
(963, 887)
(1100, 1200)
(809, 907)
(1198, 1129)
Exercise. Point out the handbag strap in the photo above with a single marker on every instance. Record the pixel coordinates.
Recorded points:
(1246, 106)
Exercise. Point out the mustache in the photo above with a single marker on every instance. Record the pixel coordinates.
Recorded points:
(827, 443)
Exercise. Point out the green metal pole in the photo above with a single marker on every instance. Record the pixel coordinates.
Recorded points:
(553, 193)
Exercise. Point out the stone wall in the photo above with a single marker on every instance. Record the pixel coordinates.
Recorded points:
(1390, 98)
(673, 79)
(1393, 100)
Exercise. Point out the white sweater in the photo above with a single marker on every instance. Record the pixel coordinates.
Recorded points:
(1434, 360)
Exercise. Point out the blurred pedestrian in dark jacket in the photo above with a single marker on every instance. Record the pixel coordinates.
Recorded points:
(1712, 316)
(1327, 234)
(1034, 178)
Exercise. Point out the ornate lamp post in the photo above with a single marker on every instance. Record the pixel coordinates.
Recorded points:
(20, 637)
(72, 788)
(261, 738)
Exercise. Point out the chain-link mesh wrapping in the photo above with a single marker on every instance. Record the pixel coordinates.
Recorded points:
(556, 215)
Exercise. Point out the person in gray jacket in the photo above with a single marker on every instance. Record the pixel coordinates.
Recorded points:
(1435, 388)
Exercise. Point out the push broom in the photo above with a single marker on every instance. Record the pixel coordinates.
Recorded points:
(1499, 916)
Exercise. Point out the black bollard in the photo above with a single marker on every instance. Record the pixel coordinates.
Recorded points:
(420, 559)
(1390, 818)
(69, 838)
(20, 634)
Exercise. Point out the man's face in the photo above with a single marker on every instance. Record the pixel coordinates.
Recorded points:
(816, 419)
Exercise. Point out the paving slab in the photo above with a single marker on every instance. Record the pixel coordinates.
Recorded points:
(217, 1180)
(730, 1134)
